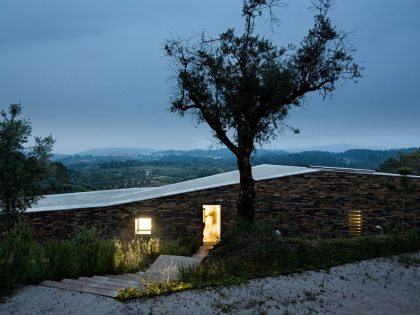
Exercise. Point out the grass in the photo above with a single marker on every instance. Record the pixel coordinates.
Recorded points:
(186, 246)
(246, 252)
(153, 288)
(24, 261)
(256, 251)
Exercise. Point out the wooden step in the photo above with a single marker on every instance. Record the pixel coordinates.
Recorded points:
(79, 288)
(111, 281)
(126, 276)
(91, 284)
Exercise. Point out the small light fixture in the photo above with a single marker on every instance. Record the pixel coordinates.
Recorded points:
(143, 226)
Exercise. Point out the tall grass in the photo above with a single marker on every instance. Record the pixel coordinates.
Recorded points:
(186, 246)
(24, 261)
(15, 252)
(259, 252)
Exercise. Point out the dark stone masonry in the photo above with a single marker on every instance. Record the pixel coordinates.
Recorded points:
(316, 203)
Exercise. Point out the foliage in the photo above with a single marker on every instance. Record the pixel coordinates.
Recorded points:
(136, 254)
(167, 167)
(408, 260)
(186, 246)
(58, 180)
(152, 289)
(409, 161)
(14, 255)
(25, 261)
(253, 251)
(258, 251)
(21, 169)
(243, 86)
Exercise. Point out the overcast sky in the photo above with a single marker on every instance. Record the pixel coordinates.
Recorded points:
(94, 74)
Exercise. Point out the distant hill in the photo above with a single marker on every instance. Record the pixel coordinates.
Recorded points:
(57, 156)
(127, 157)
(116, 151)
(124, 168)
(336, 148)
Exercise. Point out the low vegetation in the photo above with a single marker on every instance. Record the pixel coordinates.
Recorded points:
(247, 252)
(257, 251)
(24, 261)
(184, 247)
(409, 161)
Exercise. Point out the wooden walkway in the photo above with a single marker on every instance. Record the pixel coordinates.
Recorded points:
(165, 267)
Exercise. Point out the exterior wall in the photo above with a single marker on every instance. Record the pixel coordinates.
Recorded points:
(307, 204)
(318, 203)
(172, 217)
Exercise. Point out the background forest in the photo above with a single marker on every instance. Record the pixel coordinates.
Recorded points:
(114, 169)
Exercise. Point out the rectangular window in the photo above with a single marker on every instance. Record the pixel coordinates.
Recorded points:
(143, 226)
(355, 222)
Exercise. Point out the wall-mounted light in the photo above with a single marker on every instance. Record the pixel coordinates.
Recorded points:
(143, 226)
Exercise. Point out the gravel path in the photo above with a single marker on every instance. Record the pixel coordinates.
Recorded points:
(378, 286)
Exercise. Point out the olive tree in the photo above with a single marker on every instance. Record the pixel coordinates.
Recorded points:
(243, 86)
(21, 168)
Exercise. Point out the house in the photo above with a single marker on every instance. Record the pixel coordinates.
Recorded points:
(315, 200)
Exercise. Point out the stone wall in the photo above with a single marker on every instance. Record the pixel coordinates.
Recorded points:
(318, 203)
(307, 204)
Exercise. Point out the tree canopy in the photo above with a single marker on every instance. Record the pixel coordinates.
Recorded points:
(409, 162)
(21, 168)
(243, 86)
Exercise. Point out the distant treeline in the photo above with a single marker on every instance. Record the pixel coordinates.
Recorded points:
(82, 173)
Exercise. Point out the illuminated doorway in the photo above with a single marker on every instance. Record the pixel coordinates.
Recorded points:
(212, 224)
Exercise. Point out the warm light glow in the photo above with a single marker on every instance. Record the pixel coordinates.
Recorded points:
(212, 224)
(143, 226)
(355, 222)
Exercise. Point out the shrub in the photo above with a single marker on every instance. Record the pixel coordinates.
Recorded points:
(60, 260)
(186, 246)
(14, 255)
(85, 254)
(139, 253)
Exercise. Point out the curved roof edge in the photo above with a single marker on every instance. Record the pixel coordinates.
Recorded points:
(106, 198)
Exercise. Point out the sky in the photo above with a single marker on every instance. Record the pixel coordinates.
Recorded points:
(94, 73)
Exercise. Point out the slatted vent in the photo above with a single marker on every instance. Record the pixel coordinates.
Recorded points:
(355, 222)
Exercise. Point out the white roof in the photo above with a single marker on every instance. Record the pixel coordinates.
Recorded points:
(120, 196)
(105, 198)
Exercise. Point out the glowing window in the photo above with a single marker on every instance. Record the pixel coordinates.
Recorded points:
(143, 226)
(355, 222)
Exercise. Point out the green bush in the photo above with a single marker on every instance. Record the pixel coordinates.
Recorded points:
(25, 261)
(137, 254)
(15, 255)
(258, 252)
(186, 246)
(60, 260)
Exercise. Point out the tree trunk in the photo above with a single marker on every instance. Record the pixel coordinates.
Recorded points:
(245, 203)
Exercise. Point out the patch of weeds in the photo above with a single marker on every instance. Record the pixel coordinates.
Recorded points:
(128, 293)
(255, 305)
(225, 308)
(408, 260)
(215, 273)
(309, 295)
(153, 288)
(186, 246)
